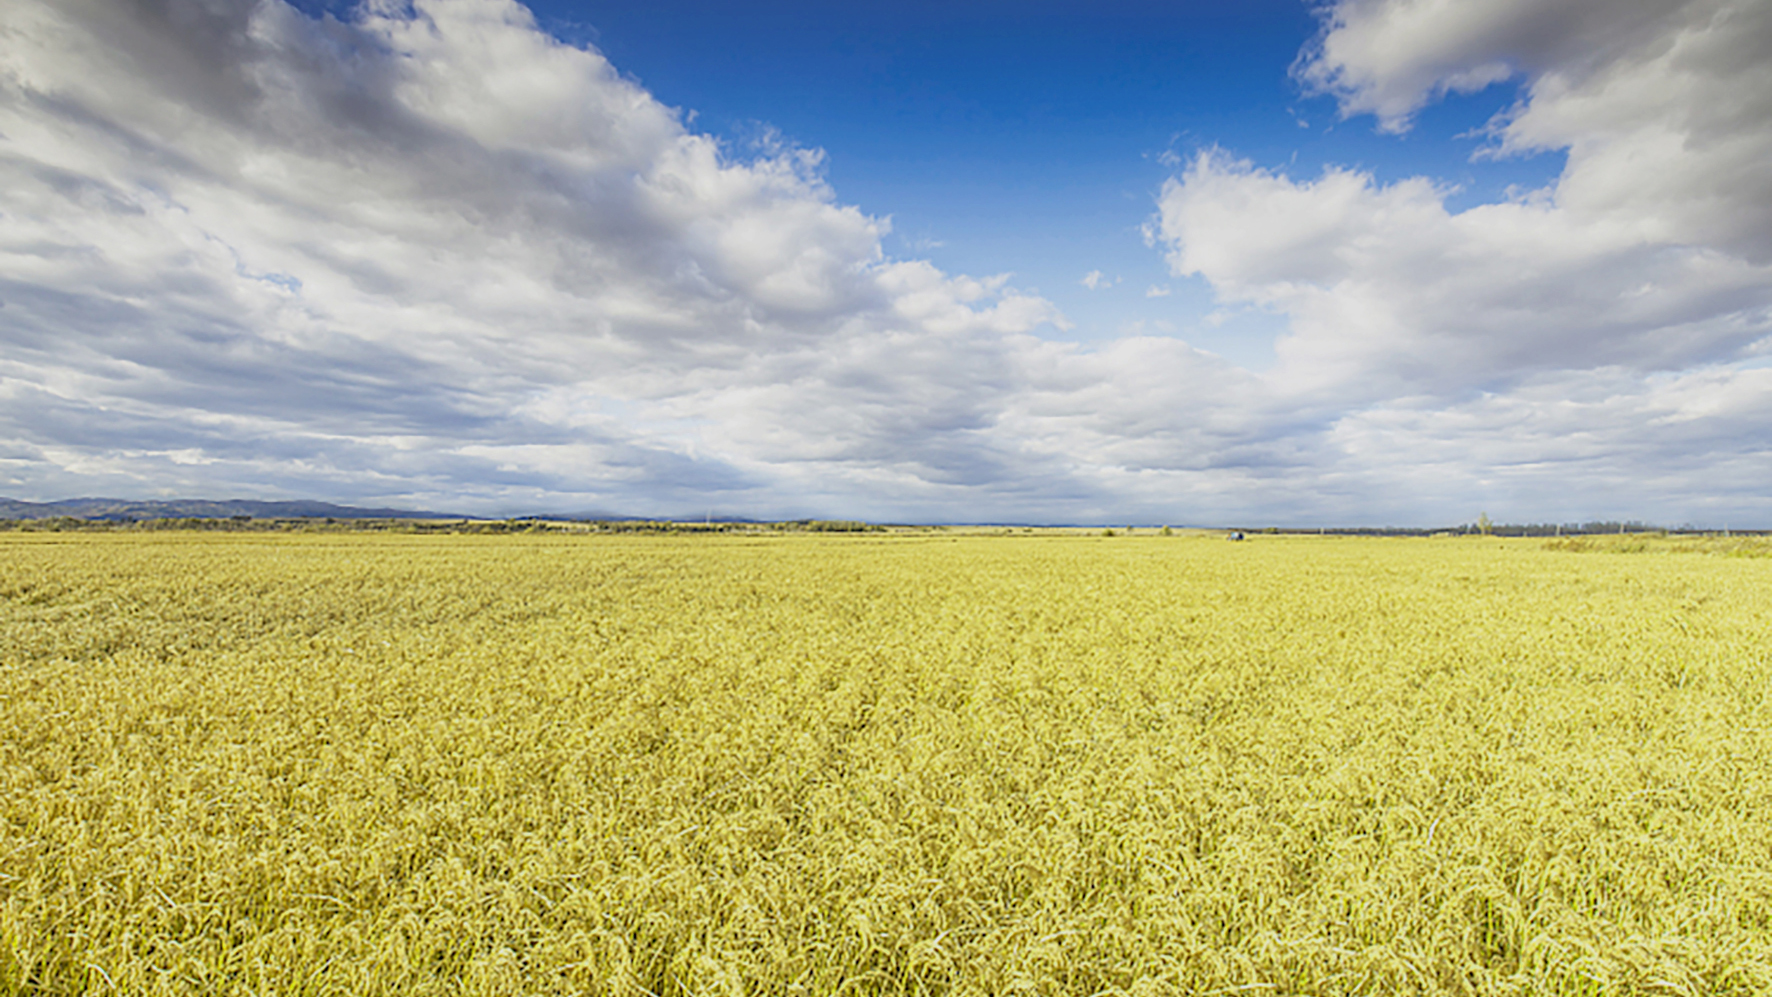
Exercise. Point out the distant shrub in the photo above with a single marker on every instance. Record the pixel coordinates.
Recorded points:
(828, 526)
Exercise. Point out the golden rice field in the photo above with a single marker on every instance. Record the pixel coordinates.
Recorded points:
(880, 764)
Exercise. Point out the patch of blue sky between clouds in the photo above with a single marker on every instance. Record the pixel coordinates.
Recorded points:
(999, 138)
(1031, 140)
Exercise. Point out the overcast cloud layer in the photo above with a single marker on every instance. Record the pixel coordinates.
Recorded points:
(434, 257)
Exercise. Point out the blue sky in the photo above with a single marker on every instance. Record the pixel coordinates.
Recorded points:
(1364, 263)
(1031, 138)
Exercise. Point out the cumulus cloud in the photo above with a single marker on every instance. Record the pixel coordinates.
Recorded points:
(1388, 291)
(433, 252)
(1648, 258)
(1563, 447)
(430, 254)
(1390, 58)
(1662, 104)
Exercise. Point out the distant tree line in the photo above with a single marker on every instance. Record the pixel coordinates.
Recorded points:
(1491, 529)
(528, 524)
(533, 524)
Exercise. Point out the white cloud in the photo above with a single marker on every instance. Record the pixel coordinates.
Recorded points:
(1390, 58)
(1095, 280)
(1629, 443)
(1158, 291)
(1662, 104)
(1389, 292)
(1648, 257)
(434, 255)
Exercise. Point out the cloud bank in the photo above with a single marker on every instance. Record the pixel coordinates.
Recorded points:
(430, 255)
(1607, 332)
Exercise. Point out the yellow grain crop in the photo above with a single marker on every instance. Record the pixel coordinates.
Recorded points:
(850, 765)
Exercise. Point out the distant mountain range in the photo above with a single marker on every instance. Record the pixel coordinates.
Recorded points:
(125, 509)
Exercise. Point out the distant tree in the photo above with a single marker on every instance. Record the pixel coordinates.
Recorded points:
(1483, 523)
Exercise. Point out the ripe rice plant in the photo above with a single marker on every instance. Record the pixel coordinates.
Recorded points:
(844, 764)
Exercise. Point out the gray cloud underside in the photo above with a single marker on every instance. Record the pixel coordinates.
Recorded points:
(433, 257)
